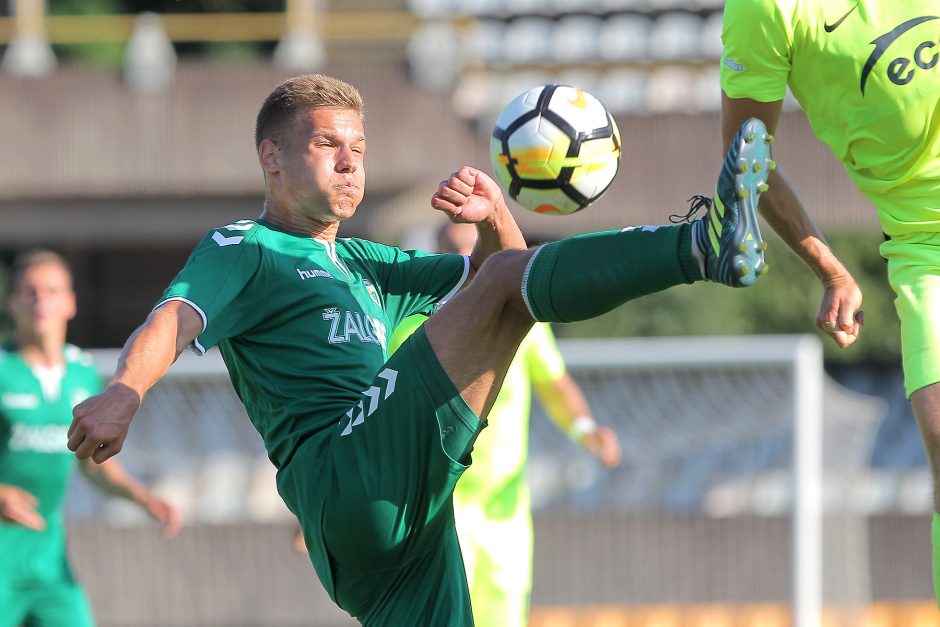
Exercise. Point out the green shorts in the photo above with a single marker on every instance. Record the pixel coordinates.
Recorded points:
(44, 605)
(914, 274)
(374, 497)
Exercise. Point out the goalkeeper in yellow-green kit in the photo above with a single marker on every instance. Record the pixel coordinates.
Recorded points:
(867, 74)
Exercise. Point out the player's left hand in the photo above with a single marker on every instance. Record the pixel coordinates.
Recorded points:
(840, 312)
(468, 195)
(166, 514)
(604, 445)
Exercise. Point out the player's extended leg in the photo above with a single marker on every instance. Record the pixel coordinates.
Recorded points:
(476, 334)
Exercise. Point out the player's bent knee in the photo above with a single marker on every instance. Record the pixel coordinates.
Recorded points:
(500, 277)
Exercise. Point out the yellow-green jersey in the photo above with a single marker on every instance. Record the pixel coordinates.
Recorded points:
(867, 74)
(302, 323)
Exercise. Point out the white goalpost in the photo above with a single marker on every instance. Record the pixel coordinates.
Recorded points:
(802, 356)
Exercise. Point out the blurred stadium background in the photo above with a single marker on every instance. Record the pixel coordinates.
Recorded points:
(127, 135)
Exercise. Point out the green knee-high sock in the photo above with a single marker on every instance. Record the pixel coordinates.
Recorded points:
(587, 275)
(935, 540)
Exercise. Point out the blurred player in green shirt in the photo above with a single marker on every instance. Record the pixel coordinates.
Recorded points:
(41, 379)
(867, 74)
(492, 504)
(369, 446)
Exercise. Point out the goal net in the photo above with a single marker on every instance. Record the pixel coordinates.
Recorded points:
(740, 457)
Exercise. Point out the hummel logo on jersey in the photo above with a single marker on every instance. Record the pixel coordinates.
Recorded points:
(312, 274)
(831, 27)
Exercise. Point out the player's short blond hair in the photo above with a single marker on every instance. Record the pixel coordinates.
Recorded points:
(35, 257)
(302, 93)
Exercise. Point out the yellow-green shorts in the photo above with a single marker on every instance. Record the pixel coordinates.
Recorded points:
(914, 275)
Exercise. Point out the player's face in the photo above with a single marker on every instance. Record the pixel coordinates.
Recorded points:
(43, 301)
(322, 171)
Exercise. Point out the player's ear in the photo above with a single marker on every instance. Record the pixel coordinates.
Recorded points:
(268, 156)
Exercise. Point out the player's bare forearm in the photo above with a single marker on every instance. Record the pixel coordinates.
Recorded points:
(100, 423)
(498, 232)
(156, 344)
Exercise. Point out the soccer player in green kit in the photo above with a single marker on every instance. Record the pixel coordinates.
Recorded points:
(867, 74)
(369, 447)
(41, 379)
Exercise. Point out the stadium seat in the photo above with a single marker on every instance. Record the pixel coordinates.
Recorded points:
(575, 38)
(586, 79)
(524, 7)
(433, 55)
(624, 38)
(671, 90)
(528, 40)
(710, 46)
(481, 43)
(480, 7)
(675, 36)
(431, 8)
(623, 91)
(708, 89)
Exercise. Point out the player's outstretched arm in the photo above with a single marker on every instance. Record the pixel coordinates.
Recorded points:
(840, 311)
(568, 408)
(111, 478)
(469, 195)
(100, 424)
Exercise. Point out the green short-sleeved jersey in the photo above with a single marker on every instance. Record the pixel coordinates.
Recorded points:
(302, 323)
(867, 74)
(34, 424)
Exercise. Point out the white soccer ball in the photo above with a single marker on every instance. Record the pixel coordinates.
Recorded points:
(555, 149)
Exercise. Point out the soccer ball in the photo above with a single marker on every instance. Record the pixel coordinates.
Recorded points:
(555, 149)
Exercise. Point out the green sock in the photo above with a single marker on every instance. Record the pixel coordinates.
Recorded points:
(935, 540)
(588, 275)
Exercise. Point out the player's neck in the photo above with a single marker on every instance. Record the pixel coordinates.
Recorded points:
(302, 225)
(41, 351)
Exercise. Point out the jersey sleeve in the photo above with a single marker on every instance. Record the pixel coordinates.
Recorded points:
(543, 359)
(417, 282)
(757, 36)
(215, 281)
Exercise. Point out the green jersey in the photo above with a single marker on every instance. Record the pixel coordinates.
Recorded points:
(867, 74)
(302, 323)
(35, 414)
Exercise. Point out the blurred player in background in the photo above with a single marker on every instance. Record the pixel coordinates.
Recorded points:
(492, 504)
(866, 74)
(41, 379)
(369, 447)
